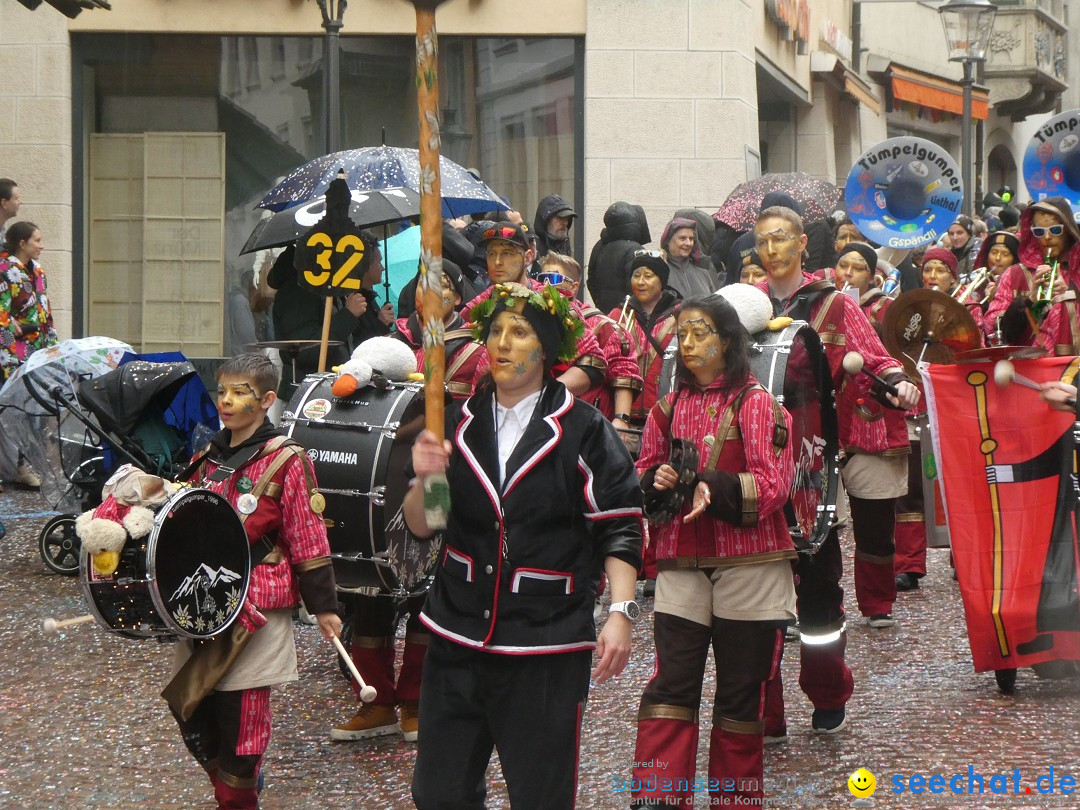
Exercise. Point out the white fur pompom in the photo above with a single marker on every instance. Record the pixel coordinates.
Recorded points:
(98, 535)
(751, 304)
(389, 356)
(139, 521)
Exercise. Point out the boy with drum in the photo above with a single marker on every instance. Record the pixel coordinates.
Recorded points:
(843, 327)
(220, 690)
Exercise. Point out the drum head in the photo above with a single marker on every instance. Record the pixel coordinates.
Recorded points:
(792, 364)
(199, 562)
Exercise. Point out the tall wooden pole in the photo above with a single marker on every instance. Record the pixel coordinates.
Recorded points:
(436, 490)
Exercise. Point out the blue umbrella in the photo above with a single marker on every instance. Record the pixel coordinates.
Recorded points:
(378, 167)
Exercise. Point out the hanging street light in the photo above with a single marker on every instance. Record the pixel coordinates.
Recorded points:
(968, 25)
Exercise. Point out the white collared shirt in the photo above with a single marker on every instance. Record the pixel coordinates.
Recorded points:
(510, 424)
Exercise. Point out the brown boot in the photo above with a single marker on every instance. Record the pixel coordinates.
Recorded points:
(371, 720)
(410, 721)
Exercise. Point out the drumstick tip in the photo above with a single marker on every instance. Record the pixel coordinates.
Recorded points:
(853, 363)
(1004, 372)
(368, 694)
(49, 627)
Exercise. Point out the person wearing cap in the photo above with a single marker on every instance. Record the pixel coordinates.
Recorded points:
(622, 382)
(876, 449)
(511, 607)
(825, 676)
(1049, 237)
(940, 271)
(964, 244)
(554, 218)
(509, 254)
(686, 277)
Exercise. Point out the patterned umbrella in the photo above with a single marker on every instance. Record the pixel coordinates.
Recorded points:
(819, 198)
(367, 209)
(380, 167)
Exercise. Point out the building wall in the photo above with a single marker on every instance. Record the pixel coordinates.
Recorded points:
(35, 137)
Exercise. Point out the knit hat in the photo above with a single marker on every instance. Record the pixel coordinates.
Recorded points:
(965, 223)
(778, 199)
(942, 255)
(654, 260)
(868, 254)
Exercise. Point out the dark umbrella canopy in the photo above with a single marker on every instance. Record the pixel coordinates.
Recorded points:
(383, 167)
(819, 198)
(366, 209)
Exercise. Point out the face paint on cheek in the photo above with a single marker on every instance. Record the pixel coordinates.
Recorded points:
(249, 408)
(534, 355)
(520, 369)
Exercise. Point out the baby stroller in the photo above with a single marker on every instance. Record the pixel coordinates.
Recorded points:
(77, 423)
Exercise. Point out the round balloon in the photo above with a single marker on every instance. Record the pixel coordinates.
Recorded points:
(904, 192)
(1052, 159)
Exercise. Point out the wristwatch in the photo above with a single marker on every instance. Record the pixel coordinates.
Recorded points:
(629, 609)
(624, 416)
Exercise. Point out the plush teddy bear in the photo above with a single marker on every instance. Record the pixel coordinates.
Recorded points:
(130, 498)
(377, 361)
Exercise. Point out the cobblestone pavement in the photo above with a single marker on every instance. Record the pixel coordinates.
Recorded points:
(81, 723)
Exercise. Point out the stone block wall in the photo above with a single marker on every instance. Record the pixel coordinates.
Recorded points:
(35, 137)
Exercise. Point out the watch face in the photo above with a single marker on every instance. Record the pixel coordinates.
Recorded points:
(632, 610)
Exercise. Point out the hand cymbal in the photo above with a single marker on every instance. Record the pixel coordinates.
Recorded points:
(930, 319)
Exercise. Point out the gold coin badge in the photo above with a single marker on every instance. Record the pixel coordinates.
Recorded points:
(318, 503)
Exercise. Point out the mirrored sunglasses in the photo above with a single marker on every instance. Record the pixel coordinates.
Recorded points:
(554, 279)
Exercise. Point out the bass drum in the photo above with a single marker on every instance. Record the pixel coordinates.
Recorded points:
(792, 364)
(188, 577)
(359, 446)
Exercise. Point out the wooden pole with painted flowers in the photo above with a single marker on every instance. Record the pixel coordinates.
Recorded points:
(436, 490)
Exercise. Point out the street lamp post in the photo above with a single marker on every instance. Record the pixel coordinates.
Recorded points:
(333, 12)
(967, 24)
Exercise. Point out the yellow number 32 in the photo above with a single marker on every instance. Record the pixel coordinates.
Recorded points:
(349, 243)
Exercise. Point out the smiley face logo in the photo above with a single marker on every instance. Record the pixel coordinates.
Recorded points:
(862, 784)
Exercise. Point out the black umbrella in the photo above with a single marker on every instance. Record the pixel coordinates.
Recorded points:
(367, 209)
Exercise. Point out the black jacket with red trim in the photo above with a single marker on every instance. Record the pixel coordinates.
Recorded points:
(521, 563)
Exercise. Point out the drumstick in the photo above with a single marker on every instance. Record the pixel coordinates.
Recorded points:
(367, 693)
(853, 364)
(52, 627)
(1005, 373)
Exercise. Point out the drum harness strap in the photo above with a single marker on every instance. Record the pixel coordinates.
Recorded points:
(265, 549)
(463, 355)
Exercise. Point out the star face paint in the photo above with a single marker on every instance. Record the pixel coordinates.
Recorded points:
(515, 354)
(779, 246)
(238, 404)
(700, 346)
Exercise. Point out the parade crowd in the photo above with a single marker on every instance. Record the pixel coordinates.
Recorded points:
(583, 470)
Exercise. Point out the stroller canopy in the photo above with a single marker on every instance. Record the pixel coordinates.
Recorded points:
(121, 397)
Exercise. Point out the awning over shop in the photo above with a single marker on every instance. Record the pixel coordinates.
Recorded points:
(830, 66)
(938, 94)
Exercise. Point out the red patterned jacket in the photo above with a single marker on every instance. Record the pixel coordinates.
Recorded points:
(621, 356)
(873, 425)
(663, 322)
(843, 327)
(463, 353)
(761, 474)
(303, 564)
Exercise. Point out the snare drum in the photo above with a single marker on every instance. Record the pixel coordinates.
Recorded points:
(793, 365)
(187, 578)
(359, 446)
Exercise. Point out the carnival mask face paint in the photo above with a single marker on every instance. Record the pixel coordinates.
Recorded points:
(937, 275)
(515, 353)
(505, 262)
(999, 258)
(751, 274)
(853, 269)
(844, 234)
(239, 405)
(700, 346)
(779, 246)
(646, 286)
(1051, 245)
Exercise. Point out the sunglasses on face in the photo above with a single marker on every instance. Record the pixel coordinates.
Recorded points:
(1053, 230)
(554, 279)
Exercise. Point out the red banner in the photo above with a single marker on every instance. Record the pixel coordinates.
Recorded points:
(1009, 470)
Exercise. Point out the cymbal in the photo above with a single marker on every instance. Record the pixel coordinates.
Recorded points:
(932, 319)
(995, 353)
(291, 345)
